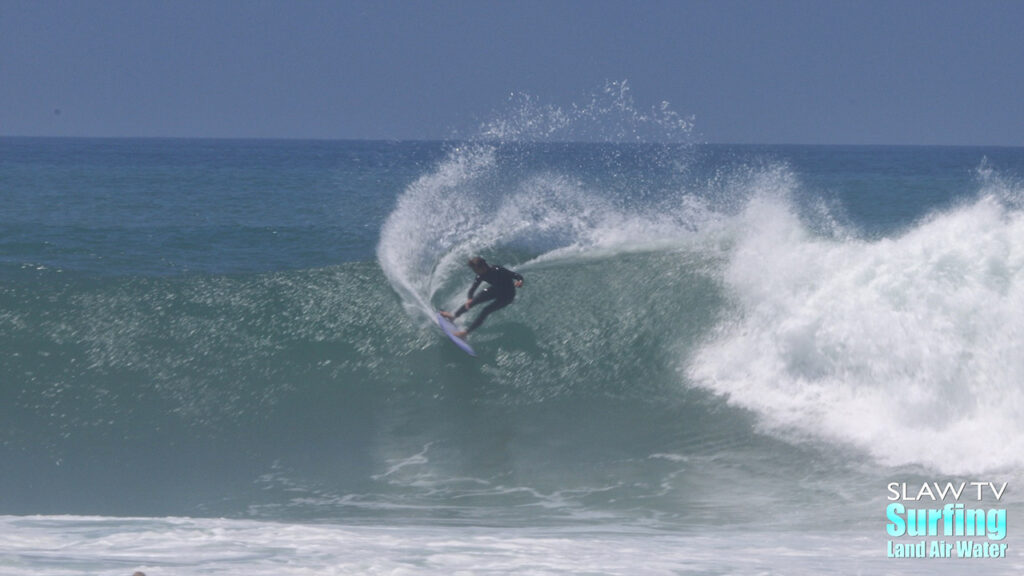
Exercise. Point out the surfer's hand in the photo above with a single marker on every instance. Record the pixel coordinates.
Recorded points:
(518, 283)
(469, 303)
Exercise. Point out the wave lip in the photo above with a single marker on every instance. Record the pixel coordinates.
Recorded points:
(906, 347)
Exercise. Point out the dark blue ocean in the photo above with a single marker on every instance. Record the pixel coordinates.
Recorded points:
(218, 357)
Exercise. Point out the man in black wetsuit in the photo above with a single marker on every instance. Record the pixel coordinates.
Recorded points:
(502, 284)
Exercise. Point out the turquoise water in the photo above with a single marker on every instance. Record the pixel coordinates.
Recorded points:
(218, 356)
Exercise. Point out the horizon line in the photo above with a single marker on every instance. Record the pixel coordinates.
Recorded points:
(491, 141)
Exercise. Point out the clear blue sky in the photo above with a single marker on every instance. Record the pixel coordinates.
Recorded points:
(770, 71)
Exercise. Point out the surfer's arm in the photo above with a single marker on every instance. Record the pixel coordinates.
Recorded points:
(472, 289)
(517, 279)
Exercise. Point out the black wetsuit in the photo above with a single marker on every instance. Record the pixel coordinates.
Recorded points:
(501, 289)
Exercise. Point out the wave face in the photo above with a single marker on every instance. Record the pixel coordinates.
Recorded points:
(767, 292)
(702, 328)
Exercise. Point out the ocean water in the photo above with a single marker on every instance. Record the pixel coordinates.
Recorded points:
(217, 357)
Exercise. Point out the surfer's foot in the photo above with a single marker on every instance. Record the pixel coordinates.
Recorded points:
(461, 334)
(447, 315)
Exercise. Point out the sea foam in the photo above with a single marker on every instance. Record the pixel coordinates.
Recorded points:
(907, 347)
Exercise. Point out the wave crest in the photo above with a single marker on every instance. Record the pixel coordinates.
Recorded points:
(906, 347)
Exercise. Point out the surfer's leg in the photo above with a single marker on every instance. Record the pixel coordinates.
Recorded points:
(496, 305)
(483, 296)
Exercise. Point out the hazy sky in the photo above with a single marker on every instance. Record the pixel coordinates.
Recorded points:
(772, 71)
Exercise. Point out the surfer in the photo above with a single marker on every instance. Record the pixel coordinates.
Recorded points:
(502, 284)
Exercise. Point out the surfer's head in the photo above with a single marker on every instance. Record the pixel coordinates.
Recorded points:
(478, 264)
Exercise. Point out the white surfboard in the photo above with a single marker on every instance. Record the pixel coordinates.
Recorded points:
(450, 330)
